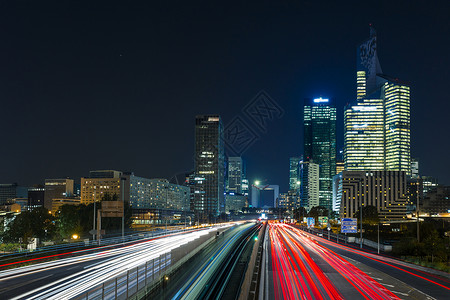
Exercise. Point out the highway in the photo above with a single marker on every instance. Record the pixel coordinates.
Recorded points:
(69, 277)
(408, 281)
(210, 279)
(305, 266)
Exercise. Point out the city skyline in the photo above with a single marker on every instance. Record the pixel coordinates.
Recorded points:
(60, 114)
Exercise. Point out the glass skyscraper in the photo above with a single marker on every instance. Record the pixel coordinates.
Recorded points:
(294, 173)
(235, 174)
(309, 184)
(364, 135)
(209, 200)
(377, 124)
(397, 126)
(320, 144)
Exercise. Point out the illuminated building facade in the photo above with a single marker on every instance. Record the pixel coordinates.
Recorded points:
(386, 190)
(320, 144)
(57, 203)
(235, 174)
(144, 193)
(57, 189)
(414, 168)
(294, 173)
(235, 202)
(93, 189)
(9, 191)
(289, 201)
(364, 135)
(397, 126)
(377, 124)
(309, 184)
(209, 165)
(36, 197)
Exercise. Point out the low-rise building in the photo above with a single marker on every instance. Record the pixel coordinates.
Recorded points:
(10, 191)
(57, 203)
(436, 202)
(57, 188)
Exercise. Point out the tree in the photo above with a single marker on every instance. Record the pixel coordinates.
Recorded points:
(370, 215)
(318, 211)
(68, 221)
(299, 213)
(37, 223)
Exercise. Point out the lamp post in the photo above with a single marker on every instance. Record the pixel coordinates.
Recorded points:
(256, 185)
(417, 212)
(378, 236)
(122, 186)
(360, 226)
(165, 217)
(93, 225)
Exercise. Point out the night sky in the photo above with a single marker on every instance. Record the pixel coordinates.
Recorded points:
(88, 85)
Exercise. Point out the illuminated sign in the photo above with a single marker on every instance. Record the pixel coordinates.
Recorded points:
(320, 100)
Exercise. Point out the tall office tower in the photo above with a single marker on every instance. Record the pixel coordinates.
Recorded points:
(209, 200)
(320, 145)
(309, 184)
(294, 174)
(397, 126)
(235, 174)
(368, 67)
(57, 189)
(377, 125)
(364, 135)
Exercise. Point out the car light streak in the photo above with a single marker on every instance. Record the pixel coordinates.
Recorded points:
(381, 259)
(195, 286)
(366, 286)
(296, 276)
(113, 262)
(291, 257)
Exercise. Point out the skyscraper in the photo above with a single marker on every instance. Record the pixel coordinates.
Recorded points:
(320, 144)
(235, 174)
(208, 200)
(397, 125)
(377, 124)
(294, 174)
(309, 184)
(364, 135)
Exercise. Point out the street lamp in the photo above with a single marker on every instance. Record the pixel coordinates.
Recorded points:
(360, 226)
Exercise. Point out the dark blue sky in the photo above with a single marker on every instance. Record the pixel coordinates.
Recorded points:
(116, 85)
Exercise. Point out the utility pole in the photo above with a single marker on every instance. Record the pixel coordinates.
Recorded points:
(93, 225)
(378, 237)
(167, 193)
(122, 187)
(360, 226)
(417, 212)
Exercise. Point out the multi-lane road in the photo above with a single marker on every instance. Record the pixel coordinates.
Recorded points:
(295, 265)
(69, 277)
(305, 266)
